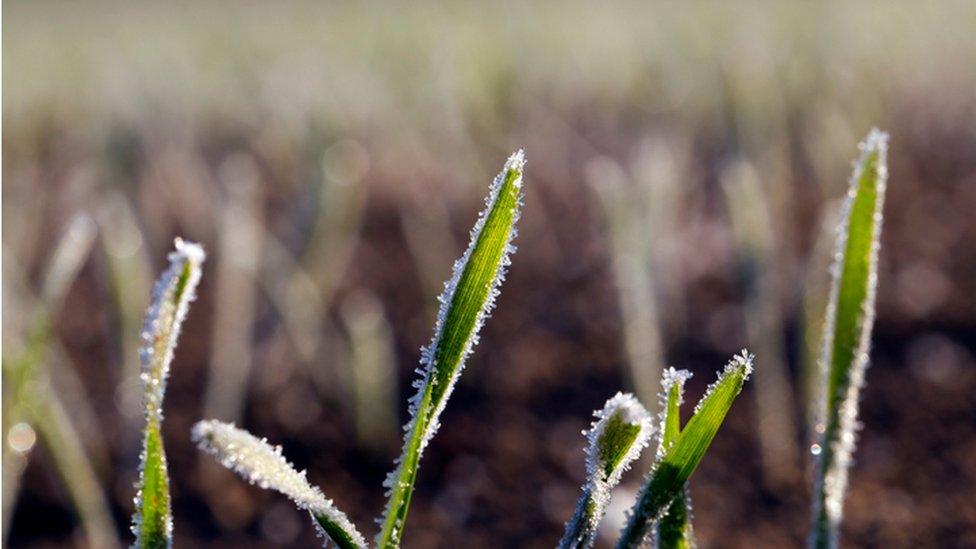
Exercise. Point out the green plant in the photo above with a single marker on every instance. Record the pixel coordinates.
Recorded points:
(623, 427)
(847, 334)
(262, 464)
(465, 304)
(622, 430)
(33, 360)
(172, 294)
(674, 529)
(670, 472)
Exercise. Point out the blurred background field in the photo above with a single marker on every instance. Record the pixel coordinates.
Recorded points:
(685, 165)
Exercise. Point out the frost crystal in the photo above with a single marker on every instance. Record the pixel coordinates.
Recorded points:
(832, 473)
(618, 418)
(264, 465)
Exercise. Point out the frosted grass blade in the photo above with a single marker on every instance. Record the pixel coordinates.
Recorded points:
(172, 294)
(622, 429)
(467, 300)
(667, 478)
(847, 335)
(674, 529)
(263, 465)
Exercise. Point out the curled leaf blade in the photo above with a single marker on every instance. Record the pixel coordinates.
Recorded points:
(622, 429)
(264, 465)
(171, 298)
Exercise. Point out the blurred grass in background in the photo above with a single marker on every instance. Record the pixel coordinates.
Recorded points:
(331, 157)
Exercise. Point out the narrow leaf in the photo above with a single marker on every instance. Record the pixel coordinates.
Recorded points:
(622, 429)
(468, 298)
(172, 294)
(262, 464)
(669, 475)
(674, 529)
(847, 335)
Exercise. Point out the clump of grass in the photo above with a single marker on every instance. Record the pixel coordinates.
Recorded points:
(263, 465)
(622, 429)
(468, 298)
(847, 335)
(670, 472)
(172, 294)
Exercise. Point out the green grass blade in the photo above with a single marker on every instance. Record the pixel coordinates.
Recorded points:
(467, 299)
(175, 289)
(674, 529)
(847, 335)
(262, 464)
(622, 429)
(669, 475)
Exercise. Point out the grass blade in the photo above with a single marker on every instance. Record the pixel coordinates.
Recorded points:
(674, 529)
(668, 476)
(622, 430)
(262, 464)
(175, 289)
(625, 213)
(847, 335)
(467, 299)
(758, 262)
(30, 398)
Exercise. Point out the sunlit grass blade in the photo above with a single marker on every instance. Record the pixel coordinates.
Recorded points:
(467, 300)
(674, 529)
(622, 429)
(262, 464)
(667, 478)
(847, 335)
(172, 294)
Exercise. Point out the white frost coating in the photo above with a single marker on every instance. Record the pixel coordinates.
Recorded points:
(515, 162)
(834, 482)
(160, 331)
(164, 318)
(263, 465)
(582, 527)
(742, 361)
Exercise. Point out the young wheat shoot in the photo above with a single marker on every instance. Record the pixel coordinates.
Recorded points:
(670, 473)
(171, 297)
(262, 464)
(847, 335)
(622, 429)
(674, 529)
(468, 298)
